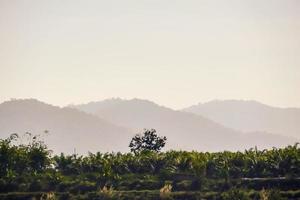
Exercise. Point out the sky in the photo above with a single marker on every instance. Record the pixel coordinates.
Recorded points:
(176, 53)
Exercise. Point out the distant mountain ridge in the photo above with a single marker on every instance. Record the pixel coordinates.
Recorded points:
(110, 124)
(184, 130)
(70, 129)
(251, 116)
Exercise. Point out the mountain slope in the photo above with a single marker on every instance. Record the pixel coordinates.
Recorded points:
(69, 128)
(184, 130)
(251, 116)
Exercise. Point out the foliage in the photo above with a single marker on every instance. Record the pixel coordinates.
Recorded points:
(235, 194)
(30, 167)
(15, 160)
(147, 141)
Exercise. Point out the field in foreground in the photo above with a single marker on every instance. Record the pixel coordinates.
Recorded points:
(29, 171)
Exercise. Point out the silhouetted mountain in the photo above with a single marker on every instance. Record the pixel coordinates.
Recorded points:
(184, 130)
(251, 116)
(69, 128)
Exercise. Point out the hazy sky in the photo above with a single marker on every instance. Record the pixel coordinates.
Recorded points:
(176, 53)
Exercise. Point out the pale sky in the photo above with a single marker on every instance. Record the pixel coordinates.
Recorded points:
(176, 53)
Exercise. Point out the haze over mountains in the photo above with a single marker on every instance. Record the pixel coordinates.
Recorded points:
(68, 128)
(109, 125)
(251, 116)
(184, 130)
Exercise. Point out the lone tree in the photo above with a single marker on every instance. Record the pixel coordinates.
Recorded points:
(147, 141)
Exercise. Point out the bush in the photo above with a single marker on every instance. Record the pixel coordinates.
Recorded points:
(235, 194)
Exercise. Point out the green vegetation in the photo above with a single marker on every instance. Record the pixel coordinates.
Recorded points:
(29, 170)
(148, 141)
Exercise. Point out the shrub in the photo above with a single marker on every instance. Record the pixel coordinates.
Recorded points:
(235, 194)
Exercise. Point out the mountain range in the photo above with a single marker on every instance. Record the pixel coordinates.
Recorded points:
(69, 129)
(110, 124)
(251, 116)
(184, 130)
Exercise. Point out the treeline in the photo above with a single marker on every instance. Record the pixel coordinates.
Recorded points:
(30, 167)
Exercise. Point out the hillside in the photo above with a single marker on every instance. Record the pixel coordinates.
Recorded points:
(68, 128)
(184, 130)
(251, 116)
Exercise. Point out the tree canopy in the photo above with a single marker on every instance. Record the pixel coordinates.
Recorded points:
(147, 141)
